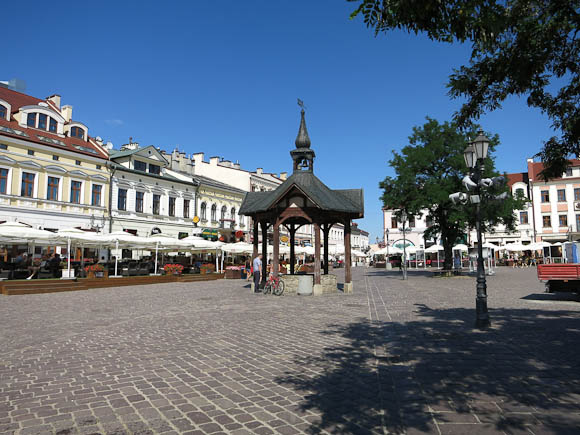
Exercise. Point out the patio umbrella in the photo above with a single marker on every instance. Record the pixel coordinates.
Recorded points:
(123, 238)
(18, 231)
(461, 247)
(435, 248)
(238, 248)
(77, 235)
(516, 247)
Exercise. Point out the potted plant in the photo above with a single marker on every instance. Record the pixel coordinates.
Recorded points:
(233, 272)
(207, 268)
(95, 271)
(173, 269)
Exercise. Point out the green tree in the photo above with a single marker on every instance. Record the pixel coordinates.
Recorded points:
(431, 168)
(519, 47)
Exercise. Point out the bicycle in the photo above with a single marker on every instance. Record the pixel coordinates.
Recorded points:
(274, 285)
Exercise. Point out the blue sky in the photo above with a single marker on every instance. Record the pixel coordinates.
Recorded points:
(223, 78)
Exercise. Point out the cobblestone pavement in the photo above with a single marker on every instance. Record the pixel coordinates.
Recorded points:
(394, 357)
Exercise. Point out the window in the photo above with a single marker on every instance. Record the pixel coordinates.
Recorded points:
(77, 132)
(563, 220)
(394, 222)
(3, 180)
(156, 203)
(77, 162)
(75, 192)
(139, 202)
(186, 208)
(31, 120)
(52, 192)
(203, 211)
(97, 166)
(171, 206)
(213, 213)
(3, 146)
(411, 221)
(27, 185)
(30, 152)
(96, 194)
(140, 166)
(577, 221)
(52, 125)
(55, 158)
(154, 169)
(3, 112)
(122, 199)
(545, 196)
(561, 195)
(520, 192)
(233, 214)
(568, 172)
(42, 118)
(523, 217)
(576, 194)
(223, 213)
(546, 221)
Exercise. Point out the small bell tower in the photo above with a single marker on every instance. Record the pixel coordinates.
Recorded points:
(303, 156)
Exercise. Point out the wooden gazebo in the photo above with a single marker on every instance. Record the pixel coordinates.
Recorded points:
(302, 200)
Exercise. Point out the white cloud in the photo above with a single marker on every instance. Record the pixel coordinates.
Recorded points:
(114, 122)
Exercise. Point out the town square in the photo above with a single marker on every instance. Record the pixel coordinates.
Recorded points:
(353, 217)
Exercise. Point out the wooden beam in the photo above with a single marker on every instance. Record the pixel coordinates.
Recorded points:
(316, 253)
(292, 231)
(264, 226)
(276, 242)
(255, 242)
(347, 253)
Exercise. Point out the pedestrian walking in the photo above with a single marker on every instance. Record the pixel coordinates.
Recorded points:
(257, 268)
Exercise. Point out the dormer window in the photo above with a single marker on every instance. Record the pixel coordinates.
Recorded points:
(3, 112)
(42, 118)
(77, 132)
(41, 121)
(154, 169)
(140, 166)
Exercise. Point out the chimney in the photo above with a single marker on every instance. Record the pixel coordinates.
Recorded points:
(55, 99)
(259, 171)
(237, 164)
(283, 175)
(130, 146)
(214, 161)
(66, 112)
(198, 158)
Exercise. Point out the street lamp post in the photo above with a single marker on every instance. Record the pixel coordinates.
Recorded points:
(387, 264)
(475, 155)
(404, 219)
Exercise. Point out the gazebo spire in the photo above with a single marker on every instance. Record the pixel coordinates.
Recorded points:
(302, 140)
(303, 156)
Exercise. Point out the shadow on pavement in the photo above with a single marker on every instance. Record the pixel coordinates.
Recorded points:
(522, 373)
(558, 296)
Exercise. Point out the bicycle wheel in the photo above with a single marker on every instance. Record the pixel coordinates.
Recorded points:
(279, 289)
(267, 288)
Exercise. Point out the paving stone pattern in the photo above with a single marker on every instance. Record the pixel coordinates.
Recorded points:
(394, 357)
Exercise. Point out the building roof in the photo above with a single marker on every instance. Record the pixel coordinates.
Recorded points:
(534, 169)
(11, 128)
(342, 200)
(518, 177)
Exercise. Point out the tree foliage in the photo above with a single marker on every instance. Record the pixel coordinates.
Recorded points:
(431, 168)
(519, 47)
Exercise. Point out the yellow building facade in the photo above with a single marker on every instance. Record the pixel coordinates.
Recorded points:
(53, 175)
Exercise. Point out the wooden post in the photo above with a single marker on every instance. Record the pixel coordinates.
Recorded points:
(316, 253)
(292, 231)
(326, 230)
(276, 242)
(255, 251)
(347, 257)
(264, 226)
